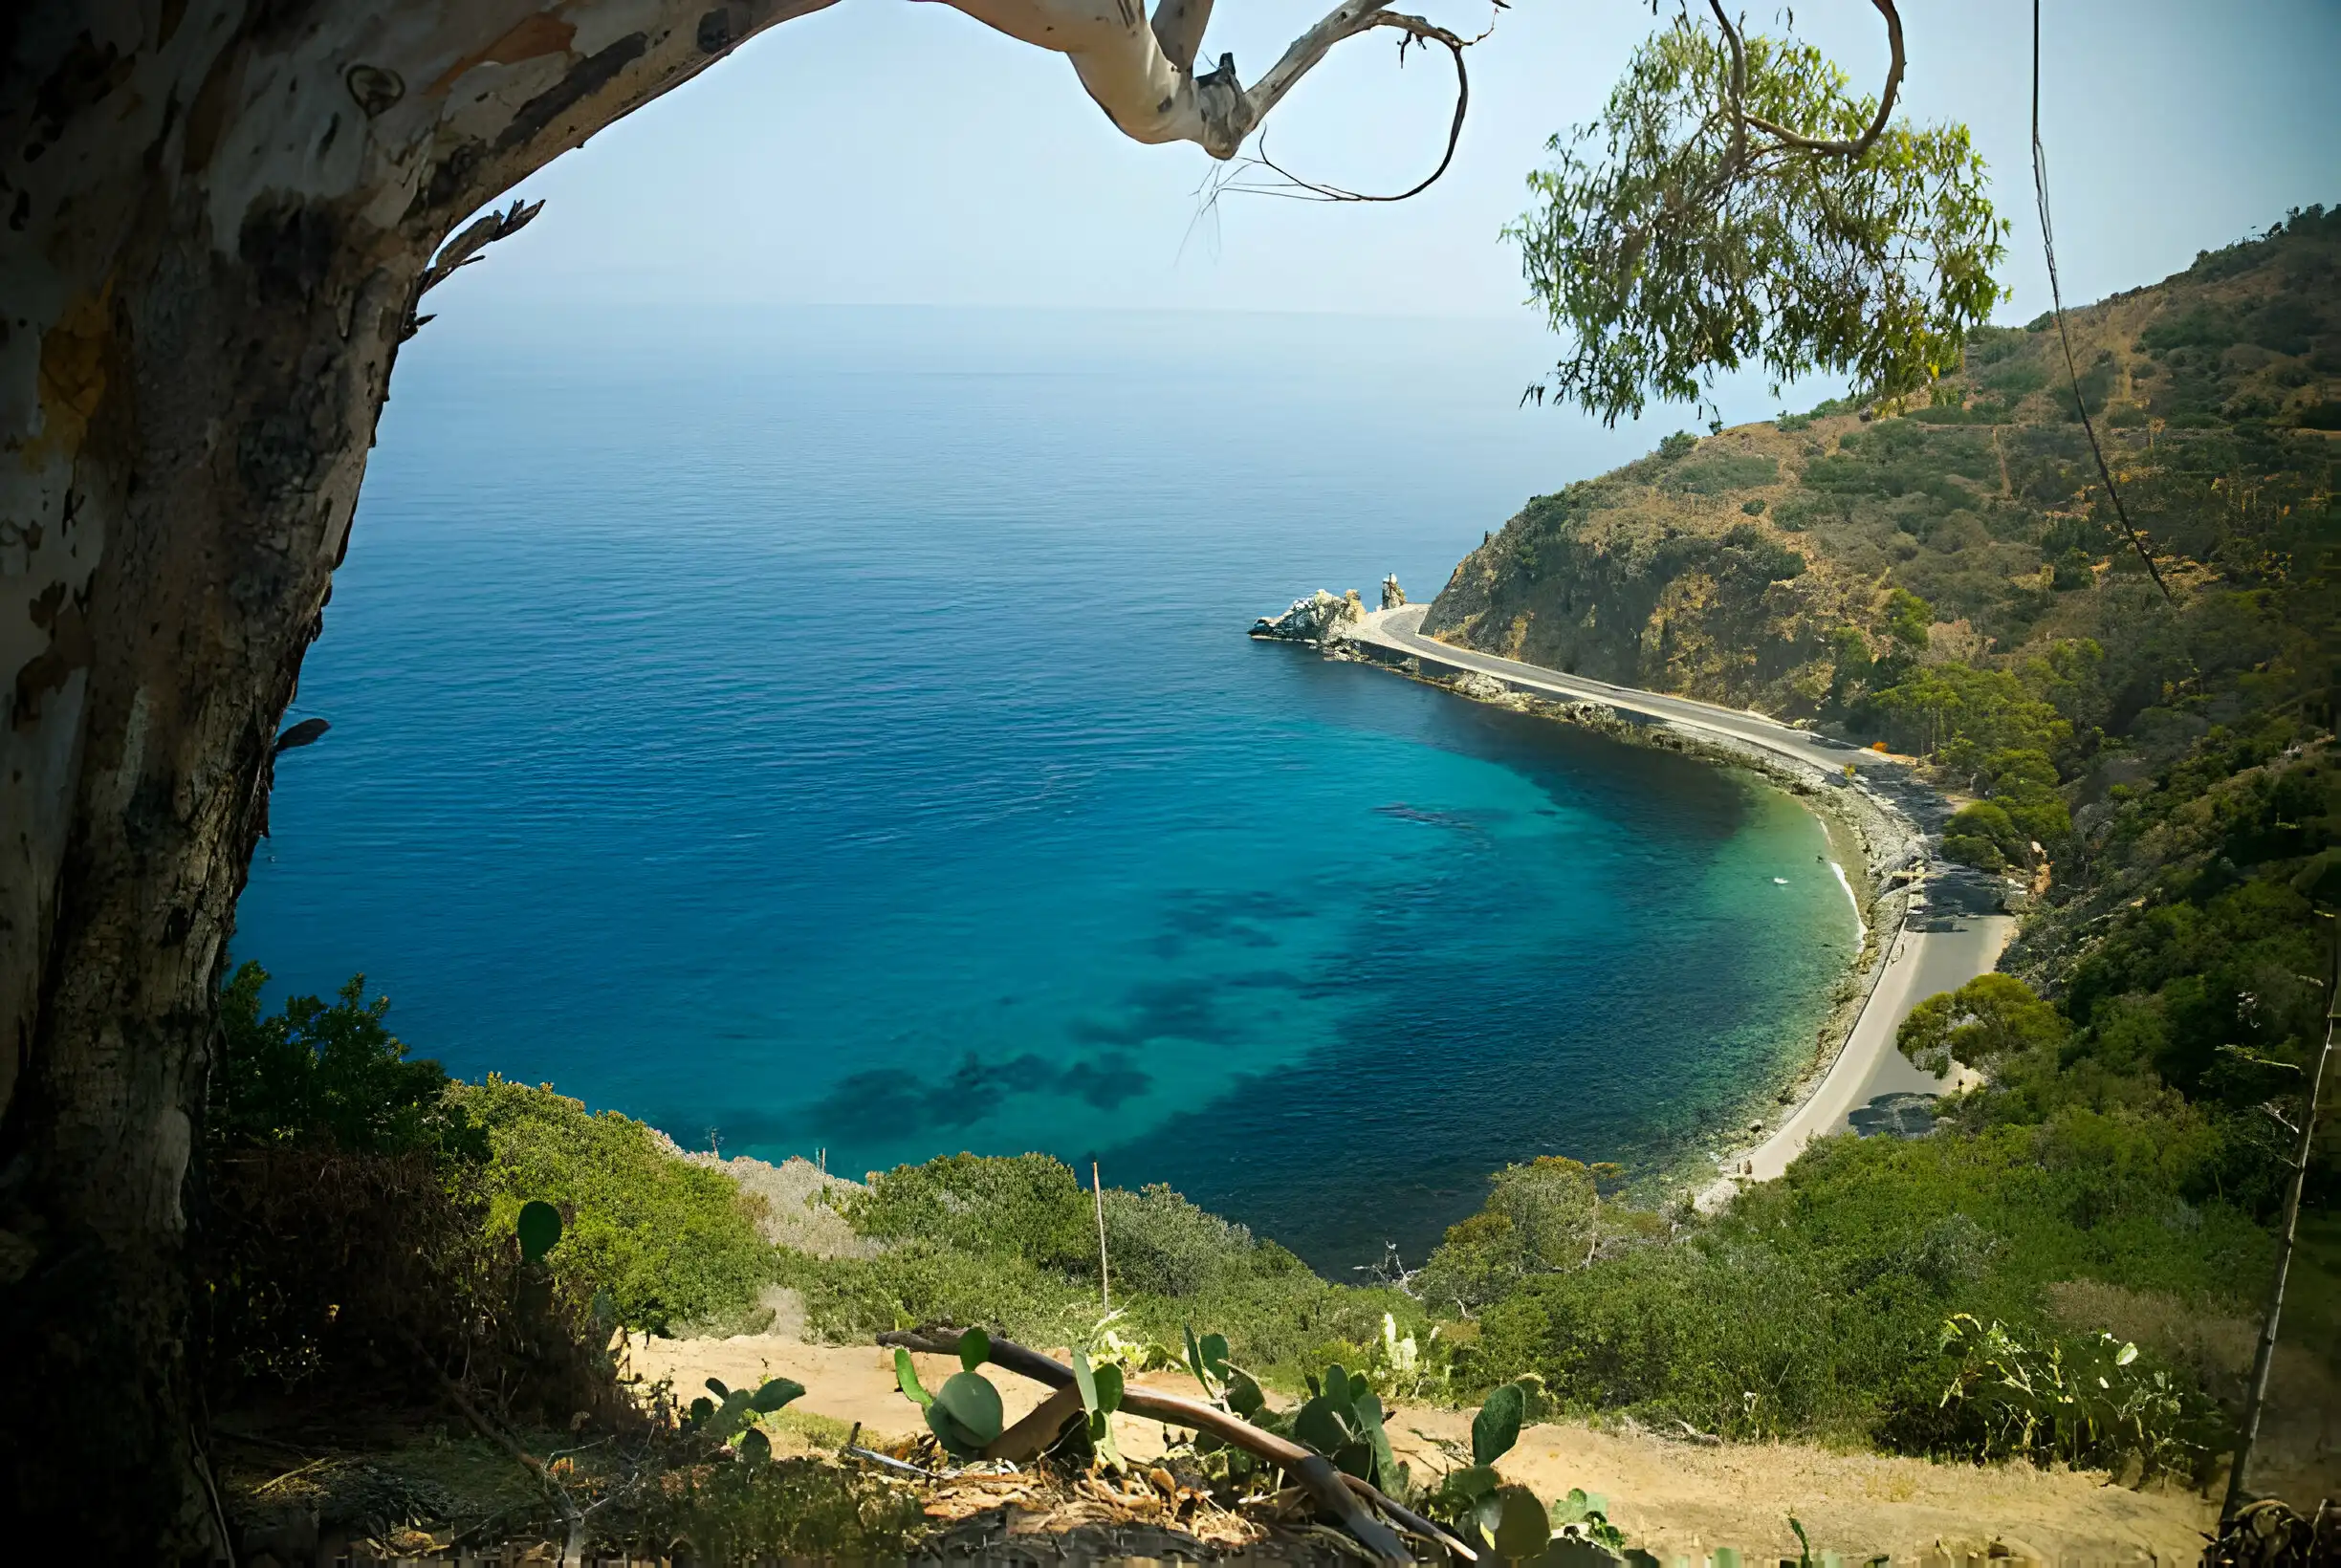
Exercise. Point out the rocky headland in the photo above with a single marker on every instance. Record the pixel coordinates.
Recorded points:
(1319, 619)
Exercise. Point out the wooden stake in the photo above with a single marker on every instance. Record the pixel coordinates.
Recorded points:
(2263, 1357)
(1097, 1189)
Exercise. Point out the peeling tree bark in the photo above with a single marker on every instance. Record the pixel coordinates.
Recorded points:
(215, 219)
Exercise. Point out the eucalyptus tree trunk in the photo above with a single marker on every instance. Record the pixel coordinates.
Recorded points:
(215, 219)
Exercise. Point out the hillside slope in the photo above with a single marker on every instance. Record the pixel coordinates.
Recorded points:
(1950, 579)
(1760, 566)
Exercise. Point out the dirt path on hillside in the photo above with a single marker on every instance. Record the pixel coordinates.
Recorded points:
(1669, 1497)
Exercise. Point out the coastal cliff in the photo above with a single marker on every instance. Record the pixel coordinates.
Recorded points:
(1655, 576)
(1798, 565)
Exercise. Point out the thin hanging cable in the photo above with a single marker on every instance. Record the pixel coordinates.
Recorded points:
(2056, 298)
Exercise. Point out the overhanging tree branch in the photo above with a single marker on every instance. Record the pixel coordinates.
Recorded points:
(1416, 31)
(1854, 147)
(1178, 26)
(1143, 74)
(1689, 227)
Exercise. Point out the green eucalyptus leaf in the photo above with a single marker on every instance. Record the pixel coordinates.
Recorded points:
(1669, 244)
(540, 1229)
(776, 1393)
(1498, 1424)
(907, 1378)
(975, 1349)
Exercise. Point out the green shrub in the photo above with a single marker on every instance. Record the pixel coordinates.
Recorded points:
(1985, 1022)
(1814, 1305)
(1989, 823)
(1540, 1217)
(2076, 1399)
(1979, 852)
(675, 1243)
(1965, 716)
(1714, 473)
(1011, 1243)
(1029, 1206)
(2072, 570)
(850, 1300)
(2013, 377)
(1163, 1245)
(328, 1075)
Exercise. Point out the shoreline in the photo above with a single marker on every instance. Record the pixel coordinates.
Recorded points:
(1855, 1047)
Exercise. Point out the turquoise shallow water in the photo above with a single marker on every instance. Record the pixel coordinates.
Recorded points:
(835, 731)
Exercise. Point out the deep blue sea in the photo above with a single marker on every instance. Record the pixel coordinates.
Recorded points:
(834, 731)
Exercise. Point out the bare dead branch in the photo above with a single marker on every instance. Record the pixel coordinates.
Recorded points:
(463, 251)
(1736, 108)
(1032, 1436)
(1860, 145)
(477, 235)
(1416, 30)
(495, 1433)
(1179, 28)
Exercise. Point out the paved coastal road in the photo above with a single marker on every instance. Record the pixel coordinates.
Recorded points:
(1871, 1085)
(1953, 933)
(1402, 630)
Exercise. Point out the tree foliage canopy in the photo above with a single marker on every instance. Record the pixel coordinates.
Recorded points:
(329, 1075)
(1684, 231)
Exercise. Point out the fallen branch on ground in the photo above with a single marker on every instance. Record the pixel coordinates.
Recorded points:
(574, 1548)
(1344, 1496)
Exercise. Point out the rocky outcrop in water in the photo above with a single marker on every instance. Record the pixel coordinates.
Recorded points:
(1320, 619)
(1480, 688)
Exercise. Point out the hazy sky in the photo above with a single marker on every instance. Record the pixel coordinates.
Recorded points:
(887, 151)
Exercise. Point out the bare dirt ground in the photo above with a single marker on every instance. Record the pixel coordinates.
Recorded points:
(1669, 1497)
